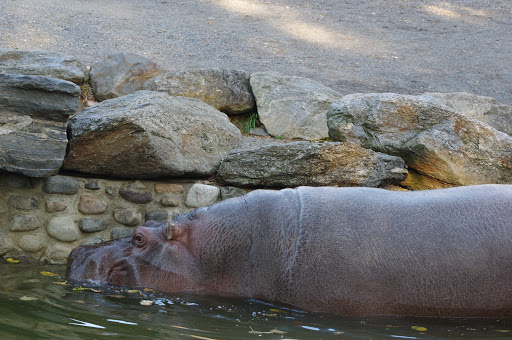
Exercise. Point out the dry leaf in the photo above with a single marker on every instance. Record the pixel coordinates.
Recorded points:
(48, 274)
(418, 328)
(146, 302)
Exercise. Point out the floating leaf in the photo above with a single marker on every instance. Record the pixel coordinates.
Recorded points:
(146, 302)
(64, 283)
(418, 328)
(149, 290)
(502, 330)
(28, 298)
(276, 310)
(116, 296)
(11, 260)
(277, 331)
(48, 274)
(80, 288)
(132, 291)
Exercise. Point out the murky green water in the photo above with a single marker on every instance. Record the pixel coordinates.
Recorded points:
(36, 305)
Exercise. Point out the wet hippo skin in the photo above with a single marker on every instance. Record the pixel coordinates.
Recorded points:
(351, 251)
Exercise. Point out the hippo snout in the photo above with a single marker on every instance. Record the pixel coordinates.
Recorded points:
(94, 263)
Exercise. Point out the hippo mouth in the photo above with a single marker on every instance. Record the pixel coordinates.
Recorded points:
(121, 273)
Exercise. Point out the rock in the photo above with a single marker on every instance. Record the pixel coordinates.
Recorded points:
(60, 185)
(92, 225)
(150, 135)
(121, 74)
(24, 223)
(137, 186)
(55, 206)
(158, 215)
(231, 192)
(167, 187)
(91, 240)
(30, 243)
(169, 201)
(259, 131)
(40, 63)
(110, 191)
(484, 109)
(57, 254)
(19, 181)
(417, 181)
(91, 205)
(313, 164)
(136, 197)
(92, 186)
(202, 195)
(33, 115)
(22, 202)
(120, 233)
(63, 228)
(434, 140)
(130, 216)
(5, 245)
(292, 107)
(226, 90)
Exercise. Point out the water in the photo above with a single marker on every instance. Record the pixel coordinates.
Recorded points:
(36, 304)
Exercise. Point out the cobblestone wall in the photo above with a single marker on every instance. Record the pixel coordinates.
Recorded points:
(45, 219)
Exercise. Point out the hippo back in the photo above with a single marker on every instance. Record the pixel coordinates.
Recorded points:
(372, 251)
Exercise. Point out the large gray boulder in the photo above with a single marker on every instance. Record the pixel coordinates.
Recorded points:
(434, 140)
(485, 109)
(34, 112)
(292, 107)
(314, 164)
(148, 135)
(226, 90)
(40, 63)
(121, 74)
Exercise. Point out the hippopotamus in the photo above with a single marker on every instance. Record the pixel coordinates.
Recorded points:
(350, 251)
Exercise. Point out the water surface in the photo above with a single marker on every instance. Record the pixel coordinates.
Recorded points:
(35, 303)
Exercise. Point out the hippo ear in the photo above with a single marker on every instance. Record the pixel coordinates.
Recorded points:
(175, 232)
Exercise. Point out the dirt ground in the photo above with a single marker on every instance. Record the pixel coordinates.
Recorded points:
(404, 46)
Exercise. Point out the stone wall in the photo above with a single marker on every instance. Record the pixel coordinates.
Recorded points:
(44, 219)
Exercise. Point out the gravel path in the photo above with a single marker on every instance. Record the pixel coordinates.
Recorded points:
(405, 46)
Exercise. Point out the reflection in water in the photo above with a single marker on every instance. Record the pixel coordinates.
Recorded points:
(35, 304)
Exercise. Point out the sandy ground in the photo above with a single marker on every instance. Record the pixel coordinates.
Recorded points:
(404, 46)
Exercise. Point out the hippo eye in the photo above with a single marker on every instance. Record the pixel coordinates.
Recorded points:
(139, 240)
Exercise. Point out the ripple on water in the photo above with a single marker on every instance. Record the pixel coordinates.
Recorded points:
(34, 303)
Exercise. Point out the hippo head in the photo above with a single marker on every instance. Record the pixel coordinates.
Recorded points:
(157, 255)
